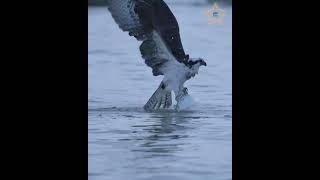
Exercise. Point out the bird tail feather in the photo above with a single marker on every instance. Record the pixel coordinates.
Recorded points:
(160, 98)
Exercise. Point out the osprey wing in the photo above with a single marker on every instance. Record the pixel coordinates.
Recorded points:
(152, 22)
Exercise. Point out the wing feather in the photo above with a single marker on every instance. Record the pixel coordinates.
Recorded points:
(125, 16)
(152, 22)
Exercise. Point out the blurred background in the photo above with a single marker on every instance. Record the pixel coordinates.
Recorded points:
(124, 141)
(223, 2)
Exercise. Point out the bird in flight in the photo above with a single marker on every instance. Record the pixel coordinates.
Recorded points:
(153, 23)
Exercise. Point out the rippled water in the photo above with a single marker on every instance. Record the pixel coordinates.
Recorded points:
(125, 142)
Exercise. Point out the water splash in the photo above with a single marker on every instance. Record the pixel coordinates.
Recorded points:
(186, 103)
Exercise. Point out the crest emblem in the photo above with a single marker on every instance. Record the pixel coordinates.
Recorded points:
(215, 15)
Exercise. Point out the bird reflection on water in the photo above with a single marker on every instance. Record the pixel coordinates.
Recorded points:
(125, 142)
(158, 143)
(163, 137)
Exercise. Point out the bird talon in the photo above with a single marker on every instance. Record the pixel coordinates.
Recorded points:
(185, 91)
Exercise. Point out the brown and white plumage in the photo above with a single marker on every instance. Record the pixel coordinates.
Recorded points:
(153, 23)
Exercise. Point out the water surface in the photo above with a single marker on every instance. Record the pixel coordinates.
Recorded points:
(125, 142)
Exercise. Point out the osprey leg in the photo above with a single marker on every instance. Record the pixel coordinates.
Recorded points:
(160, 98)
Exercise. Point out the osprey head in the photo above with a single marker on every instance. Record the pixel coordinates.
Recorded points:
(196, 62)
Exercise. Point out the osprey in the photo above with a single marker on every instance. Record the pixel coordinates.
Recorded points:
(153, 23)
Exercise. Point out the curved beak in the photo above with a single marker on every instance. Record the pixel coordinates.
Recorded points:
(203, 63)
